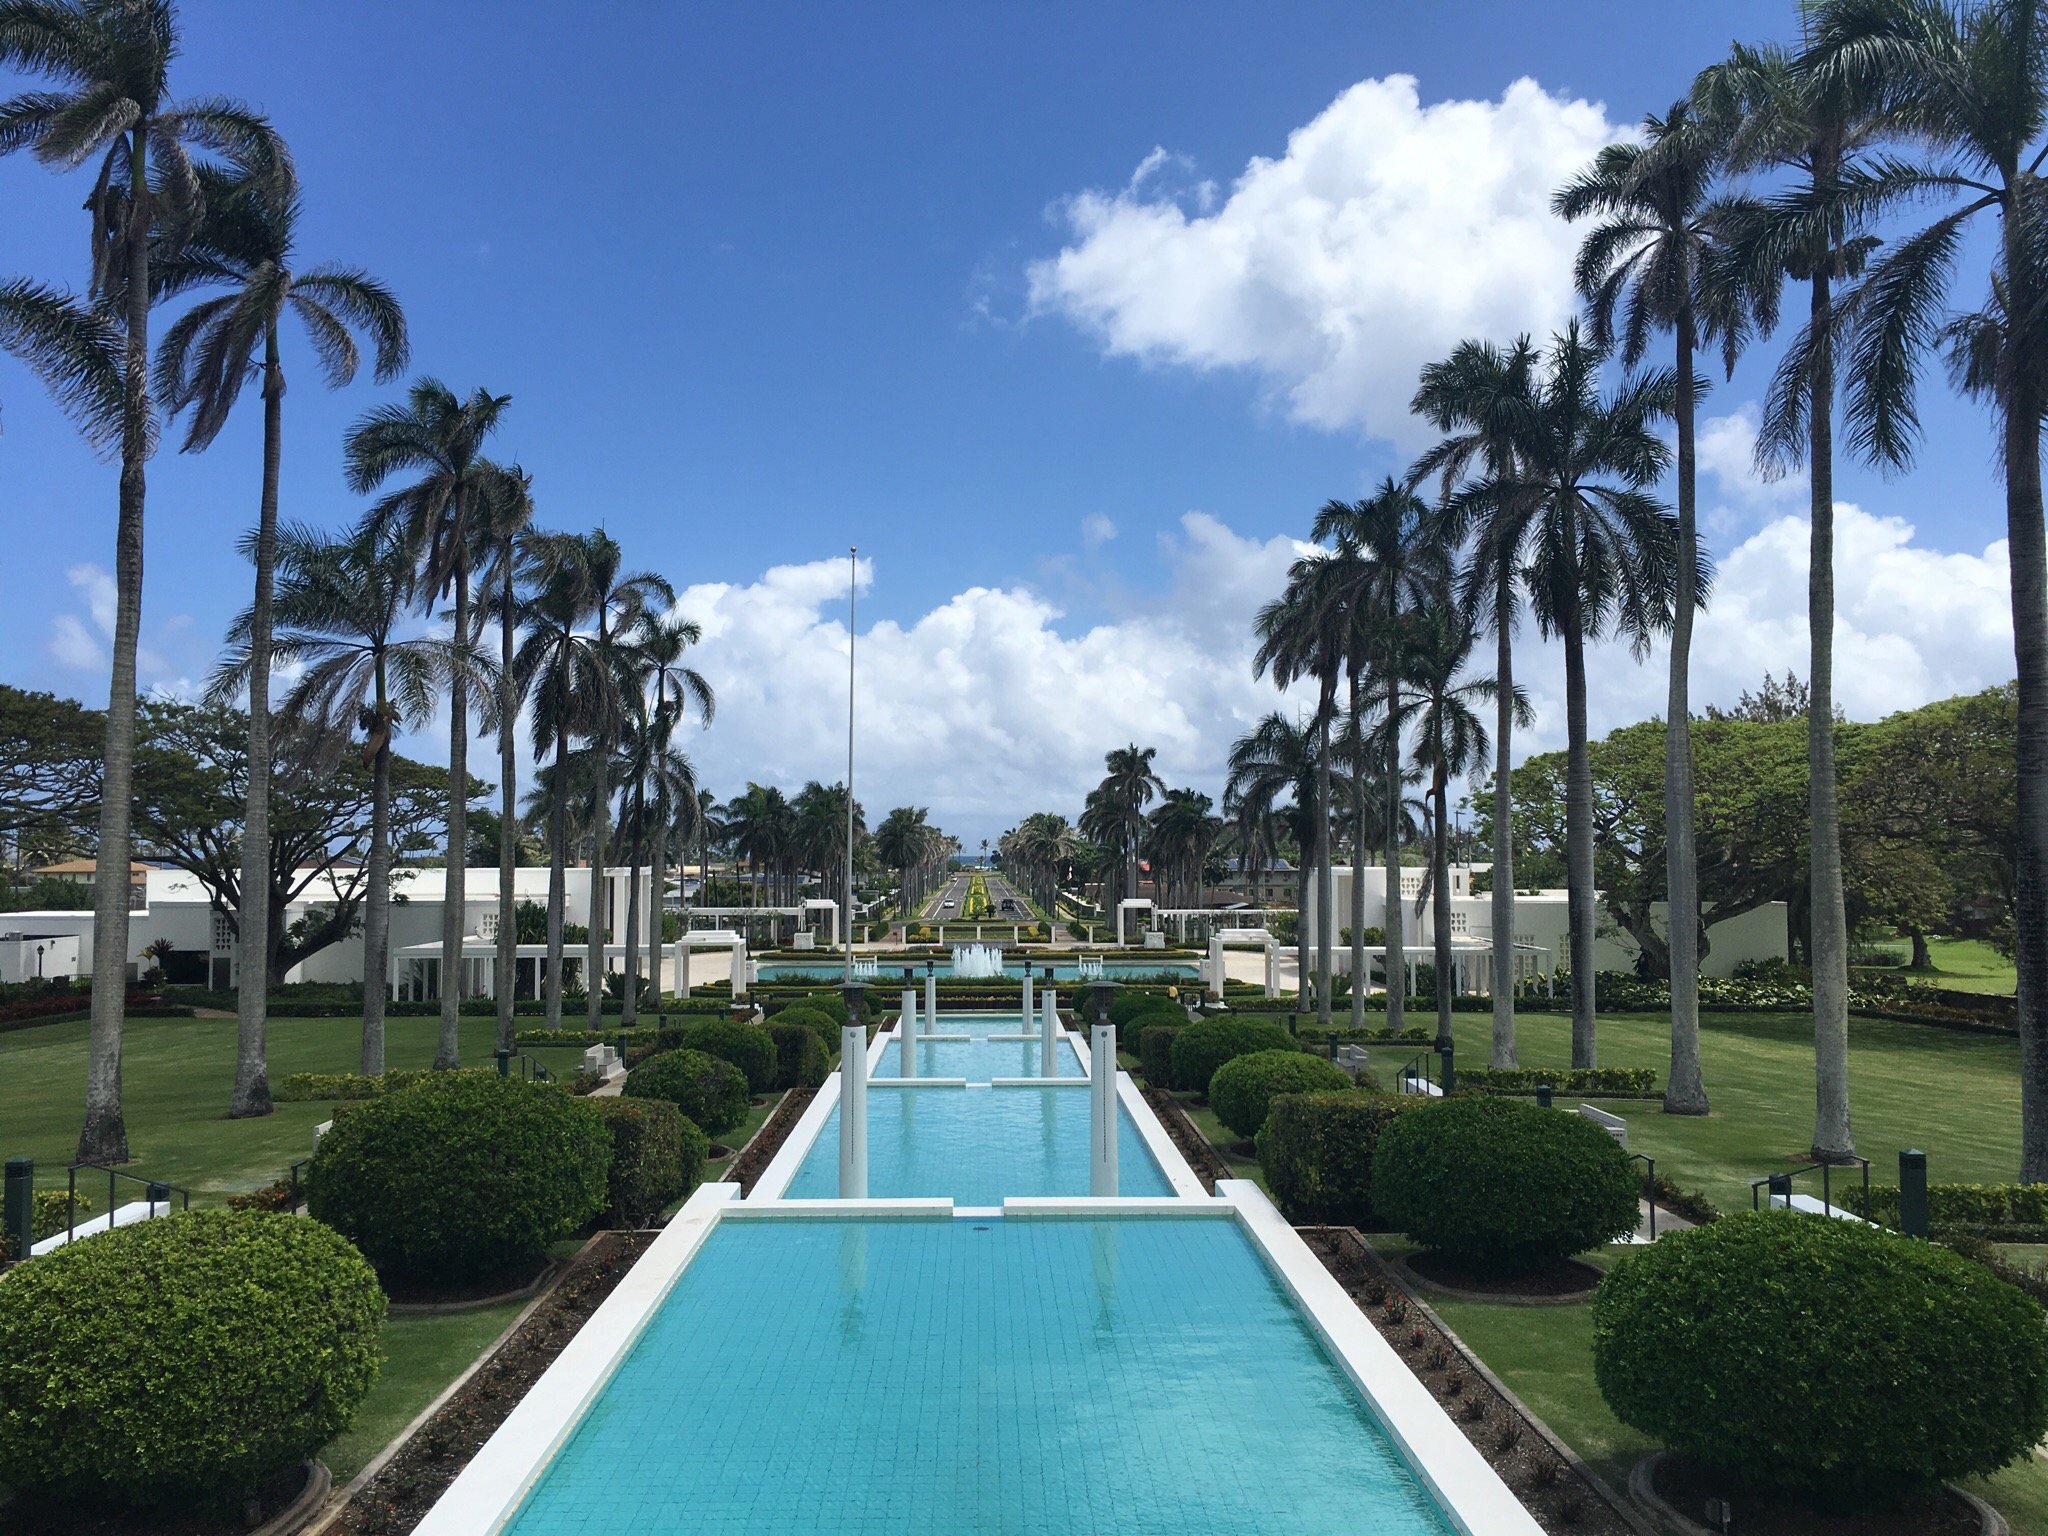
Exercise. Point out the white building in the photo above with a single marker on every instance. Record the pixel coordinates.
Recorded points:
(1542, 928)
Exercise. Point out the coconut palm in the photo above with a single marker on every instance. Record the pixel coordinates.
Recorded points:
(1279, 758)
(109, 63)
(1483, 397)
(1600, 558)
(337, 611)
(1128, 785)
(245, 243)
(661, 779)
(440, 514)
(507, 513)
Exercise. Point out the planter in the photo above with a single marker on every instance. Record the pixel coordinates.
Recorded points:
(1642, 1490)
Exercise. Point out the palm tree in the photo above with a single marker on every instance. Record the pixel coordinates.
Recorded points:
(337, 612)
(73, 348)
(1396, 563)
(758, 827)
(662, 642)
(507, 514)
(1483, 396)
(1179, 836)
(441, 439)
(110, 61)
(657, 780)
(1128, 785)
(1601, 552)
(245, 243)
(1279, 757)
(902, 842)
(1649, 265)
(1786, 115)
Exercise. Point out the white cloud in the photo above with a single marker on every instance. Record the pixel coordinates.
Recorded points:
(87, 646)
(1387, 232)
(74, 647)
(1097, 530)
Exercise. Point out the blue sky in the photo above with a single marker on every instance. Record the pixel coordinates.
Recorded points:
(766, 281)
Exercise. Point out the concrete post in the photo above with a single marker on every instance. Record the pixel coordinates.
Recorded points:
(18, 1209)
(683, 953)
(853, 1111)
(1103, 1117)
(1025, 1017)
(906, 1028)
(1048, 1029)
(931, 996)
(1272, 967)
(1216, 965)
(739, 969)
(1912, 1192)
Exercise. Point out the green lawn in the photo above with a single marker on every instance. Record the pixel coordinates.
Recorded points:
(1954, 1095)
(421, 1356)
(176, 1077)
(1966, 965)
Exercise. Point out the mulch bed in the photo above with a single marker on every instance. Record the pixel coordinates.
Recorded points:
(760, 1152)
(1687, 1487)
(1565, 1278)
(1562, 1497)
(399, 1496)
(1202, 1157)
(33, 1519)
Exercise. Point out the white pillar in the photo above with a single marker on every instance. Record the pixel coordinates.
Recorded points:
(853, 1111)
(906, 1033)
(1048, 1033)
(931, 998)
(683, 964)
(1215, 965)
(1025, 1017)
(739, 969)
(1102, 1101)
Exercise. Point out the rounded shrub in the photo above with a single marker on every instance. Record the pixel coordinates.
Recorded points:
(800, 1059)
(657, 1157)
(1126, 1004)
(192, 1358)
(815, 1020)
(1155, 1052)
(1317, 1152)
(1156, 1011)
(707, 1090)
(1821, 1356)
(1206, 1044)
(747, 1046)
(461, 1177)
(1244, 1086)
(1502, 1184)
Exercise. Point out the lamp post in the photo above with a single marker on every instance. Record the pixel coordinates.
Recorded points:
(906, 1027)
(853, 1095)
(852, 584)
(1102, 1179)
(931, 997)
(1048, 1028)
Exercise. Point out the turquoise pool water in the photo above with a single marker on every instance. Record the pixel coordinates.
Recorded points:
(1109, 1376)
(890, 979)
(977, 1145)
(981, 1059)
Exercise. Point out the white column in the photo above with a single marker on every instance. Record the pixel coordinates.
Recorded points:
(739, 969)
(853, 1111)
(1048, 1034)
(1024, 1026)
(906, 1033)
(1215, 965)
(683, 953)
(931, 1000)
(1102, 1100)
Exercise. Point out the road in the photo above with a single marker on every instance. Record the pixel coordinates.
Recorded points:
(955, 891)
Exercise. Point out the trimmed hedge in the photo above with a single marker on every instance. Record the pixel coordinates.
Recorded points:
(1159, 1011)
(184, 1360)
(1155, 1053)
(657, 1157)
(1203, 1046)
(1317, 1151)
(800, 1059)
(461, 1177)
(1499, 1184)
(49, 1212)
(315, 1087)
(818, 1022)
(711, 1092)
(1245, 1086)
(747, 1046)
(1608, 1082)
(1973, 1206)
(1822, 1356)
(1313, 1035)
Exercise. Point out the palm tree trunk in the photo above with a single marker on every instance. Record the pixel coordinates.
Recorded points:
(1440, 905)
(1685, 1090)
(454, 896)
(594, 960)
(1828, 930)
(506, 982)
(1392, 919)
(252, 922)
(103, 1138)
(1301, 971)
(1326, 878)
(1358, 828)
(629, 1011)
(558, 879)
(658, 900)
(1503, 873)
(1578, 843)
(377, 908)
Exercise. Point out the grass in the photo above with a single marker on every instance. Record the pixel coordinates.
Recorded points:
(1965, 965)
(176, 1077)
(421, 1356)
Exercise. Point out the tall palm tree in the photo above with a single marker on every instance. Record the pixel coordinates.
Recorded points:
(1129, 784)
(337, 613)
(902, 842)
(1648, 265)
(73, 348)
(109, 61)
(441, 440)
(656, 779)
(1972, 86)
(1601, 558)
(246, 243)
(1275, 758)
(758, 825)
(1396, 562)
(1483, 397)
(1786, 116)
(663, 781)
(507, 514)
(1180, 832)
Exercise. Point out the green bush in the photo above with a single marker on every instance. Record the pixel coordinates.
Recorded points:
(1317, 1152)
(461, 1177)
(1161, 1010)
(818, 1022)
(1968, 1205)
(1126, 1004)
(707, 1090)
(316, 1087)
(1244, 1086)
(1501, 1184)
(191, 1358)
(1821, 1356)
(1616, 1082)
(1206, 1044)
(657, 1157)
(1155, 1053)
(746, 1046)
(800, 1059)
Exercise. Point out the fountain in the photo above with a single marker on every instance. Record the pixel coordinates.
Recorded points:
(1088, 968)
(977, 960)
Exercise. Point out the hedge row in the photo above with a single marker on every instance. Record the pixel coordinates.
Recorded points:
(1317, 1151)
(317, 1087)
(1598, 1082)
(657, 1158)
(1979, 1206)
